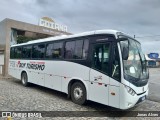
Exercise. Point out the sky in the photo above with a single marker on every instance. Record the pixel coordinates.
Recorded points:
(133, 17)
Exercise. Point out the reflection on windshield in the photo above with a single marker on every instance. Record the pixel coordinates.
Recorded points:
(135, 65)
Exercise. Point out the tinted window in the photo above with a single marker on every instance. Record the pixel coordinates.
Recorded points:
(69, 49)
(38, 51)
(26, 52)
(18, 52)
(54, 50)
(12, 53)
(49, 50)
(101, 57)
(85, 49)
(78, 49)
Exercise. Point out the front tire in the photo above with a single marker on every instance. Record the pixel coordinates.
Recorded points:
(78, 93)
(24, 79)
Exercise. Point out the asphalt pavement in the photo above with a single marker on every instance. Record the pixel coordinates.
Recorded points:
(154, 85)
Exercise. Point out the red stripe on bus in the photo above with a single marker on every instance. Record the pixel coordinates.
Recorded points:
(99, 83)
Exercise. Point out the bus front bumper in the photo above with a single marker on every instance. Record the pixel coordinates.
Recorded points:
(130, 101)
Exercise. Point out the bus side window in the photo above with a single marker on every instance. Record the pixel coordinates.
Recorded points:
(54, 50)
(85, 48)
(69, 49)
(26, 52)
(57, 50)
(18, 52)
(49, 48)
(38, 51)
(76, 49)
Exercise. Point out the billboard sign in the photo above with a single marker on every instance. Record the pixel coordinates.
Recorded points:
(50, 23)
(153, 55)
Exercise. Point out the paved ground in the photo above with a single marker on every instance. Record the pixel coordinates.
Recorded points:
(154, 85)
(15, 97)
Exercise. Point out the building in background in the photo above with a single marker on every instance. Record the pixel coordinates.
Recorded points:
(12, 31)
(1, 60)
(153, 60)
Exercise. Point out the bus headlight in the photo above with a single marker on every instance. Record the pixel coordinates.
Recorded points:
(130, 90)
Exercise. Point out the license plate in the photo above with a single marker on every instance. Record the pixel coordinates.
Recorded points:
(143, 98)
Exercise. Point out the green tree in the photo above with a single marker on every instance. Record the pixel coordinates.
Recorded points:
(23, 39)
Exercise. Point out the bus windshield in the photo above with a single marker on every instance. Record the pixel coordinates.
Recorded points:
(135, 65)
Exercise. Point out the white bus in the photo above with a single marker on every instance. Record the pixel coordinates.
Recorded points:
(105, 66)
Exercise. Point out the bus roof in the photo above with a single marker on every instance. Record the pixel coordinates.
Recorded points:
(114, 32)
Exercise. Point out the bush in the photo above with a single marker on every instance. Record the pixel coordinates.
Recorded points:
(23, 39)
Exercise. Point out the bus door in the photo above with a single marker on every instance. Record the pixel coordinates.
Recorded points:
(115, 77)
(99, 73)
(104, 74)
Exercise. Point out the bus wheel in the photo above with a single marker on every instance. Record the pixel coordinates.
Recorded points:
(78, 93)
(24, 79)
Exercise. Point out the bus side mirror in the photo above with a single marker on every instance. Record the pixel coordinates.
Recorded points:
(125, 53)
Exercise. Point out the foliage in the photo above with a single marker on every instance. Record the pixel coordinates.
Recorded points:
(23, 39)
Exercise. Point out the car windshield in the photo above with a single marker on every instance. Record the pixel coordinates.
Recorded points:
(135, 65)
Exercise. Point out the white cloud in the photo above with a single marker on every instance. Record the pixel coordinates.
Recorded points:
(134, 17)
(26, 1)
